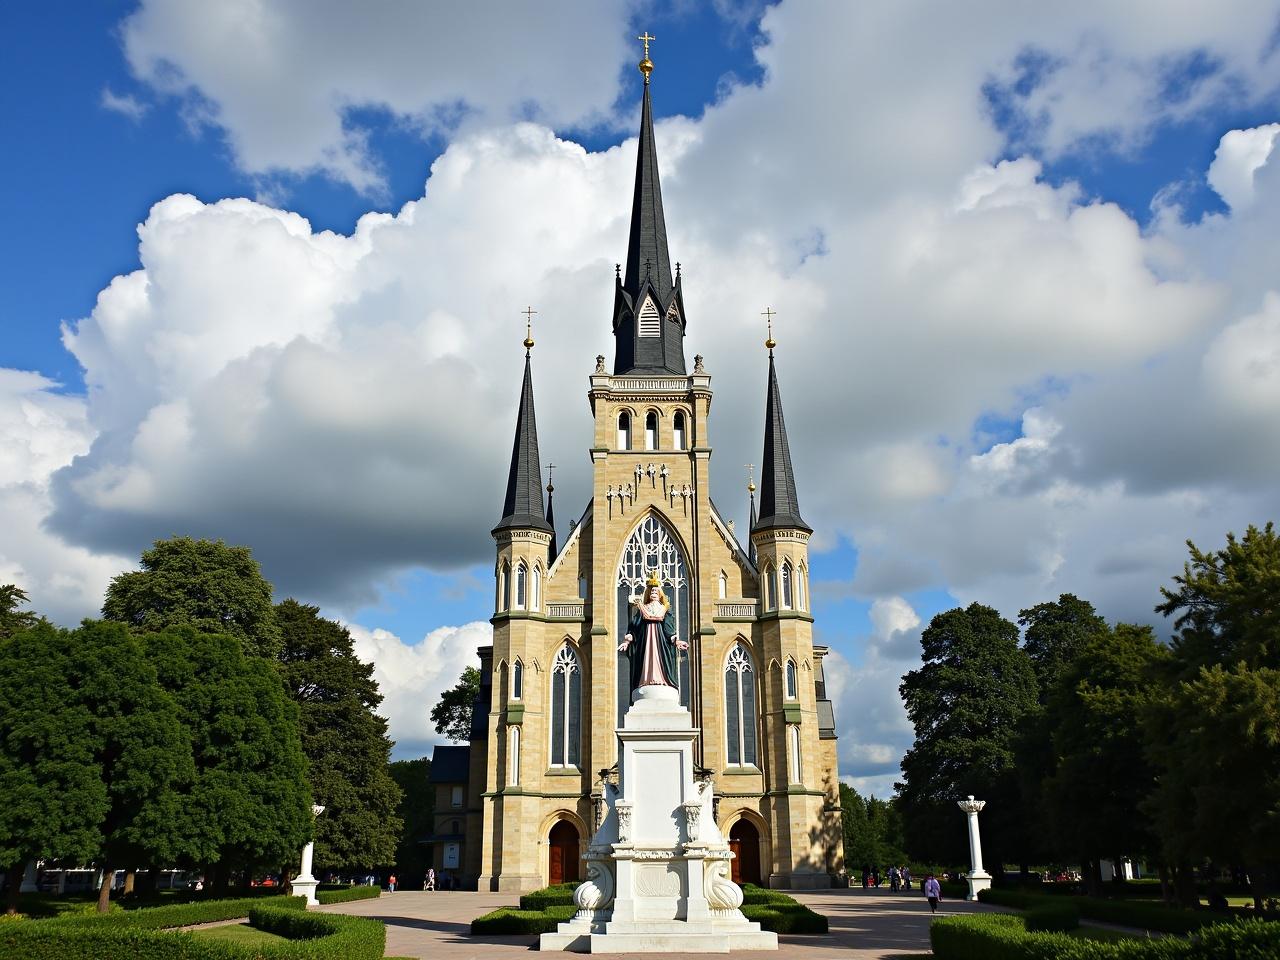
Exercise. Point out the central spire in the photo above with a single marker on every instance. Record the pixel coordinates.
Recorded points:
(648, 318)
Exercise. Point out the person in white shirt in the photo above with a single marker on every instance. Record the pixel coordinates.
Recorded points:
(933, 890)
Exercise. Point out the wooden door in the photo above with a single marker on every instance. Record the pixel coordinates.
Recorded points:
(555, 869)
(563, 854)
(744, 841)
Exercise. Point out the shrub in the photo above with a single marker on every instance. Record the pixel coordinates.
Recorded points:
(786, 918)
(509, 920)
(1060, 917)
(1125, 913)
(319, 936)
(181, 914)
(347, 894)
(560, 895)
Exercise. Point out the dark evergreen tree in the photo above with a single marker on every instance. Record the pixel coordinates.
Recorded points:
(52, 800)
(860, 848)
(203, 584)
(417, 814)
(966, 702)
(452, 715)
(1056, 633)
(344, 740)
(11, 618)
(249, 805)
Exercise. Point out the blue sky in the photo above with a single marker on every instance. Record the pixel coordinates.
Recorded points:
(996, 244)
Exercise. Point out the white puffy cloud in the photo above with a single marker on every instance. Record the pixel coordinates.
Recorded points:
(1239, 155)
(411, 677)
(282, 81)
(125, 104)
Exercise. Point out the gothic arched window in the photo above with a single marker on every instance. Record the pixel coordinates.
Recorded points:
(651, 431)
(784, 578)
(770, 601)
(722, 589)
(678, 430)
(802, 575)
(566, 709)
(792, 685)
(740, 707)
(535, 595)
(513, 775)
(517, 681)
(522, 585)
(652, 547)
(624, 430)
(793, 751)
(650, 319)
(504, 587)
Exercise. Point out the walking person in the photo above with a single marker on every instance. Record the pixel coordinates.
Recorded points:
(933, 890)
(906, 877)
(430, 882)
(391, 884)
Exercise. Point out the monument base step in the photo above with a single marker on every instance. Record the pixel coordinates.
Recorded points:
(659, 936)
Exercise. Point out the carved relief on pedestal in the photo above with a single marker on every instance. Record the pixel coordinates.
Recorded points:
(596, 892)
(721, 892)
(623, 809)
(658, 880)
(692, 819)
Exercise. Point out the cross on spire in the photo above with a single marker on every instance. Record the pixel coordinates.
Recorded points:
(768, 313)
(550, 467)
(646, 65)
(528, 329)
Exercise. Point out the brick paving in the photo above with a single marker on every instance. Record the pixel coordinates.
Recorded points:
(864, 925)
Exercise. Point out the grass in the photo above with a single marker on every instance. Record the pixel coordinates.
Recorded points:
(239, 933)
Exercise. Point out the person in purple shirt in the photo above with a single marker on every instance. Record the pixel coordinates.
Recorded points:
(933, 890)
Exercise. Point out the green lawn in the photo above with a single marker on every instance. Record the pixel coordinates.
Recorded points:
(239, 933)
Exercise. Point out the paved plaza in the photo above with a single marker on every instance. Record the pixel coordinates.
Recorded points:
(865, 924)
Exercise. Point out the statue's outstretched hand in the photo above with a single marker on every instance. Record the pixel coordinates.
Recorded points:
(682, 644)
(622, 647)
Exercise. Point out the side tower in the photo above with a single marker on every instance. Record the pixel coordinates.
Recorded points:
(806, 825)
(523, 538)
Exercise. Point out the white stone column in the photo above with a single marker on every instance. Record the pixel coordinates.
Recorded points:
(29, 879)
(978, 878)
(304, 884)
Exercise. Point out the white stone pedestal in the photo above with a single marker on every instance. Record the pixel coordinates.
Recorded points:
(658, 867)
(977, 878)
(304, 884)
(29, 879)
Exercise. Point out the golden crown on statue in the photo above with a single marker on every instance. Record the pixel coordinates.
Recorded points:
(653, 580)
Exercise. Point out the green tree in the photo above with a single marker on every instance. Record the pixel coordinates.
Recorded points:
(1094, 712)
(52, 799)
(249, 805)
(859, 843)
(452, 715)
(344, 740)
(140, 750)
(417, 814)
(1055, 635)
(1227, 604)
(203, 584)
(967, 701)
(1215, 737)
(11, 618)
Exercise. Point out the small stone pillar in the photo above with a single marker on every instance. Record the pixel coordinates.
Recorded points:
(304, 884)
(29, 884)
(978, 878)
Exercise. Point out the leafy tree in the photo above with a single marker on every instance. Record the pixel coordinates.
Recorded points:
(1094, 714)
(966, 702)
(344, 740)
(249, 804)
(52, 799)
(1216, 737)
(452, 715)
(140, 751)
(417, 814)
(860, 848)
(203, 584)
(11, 618)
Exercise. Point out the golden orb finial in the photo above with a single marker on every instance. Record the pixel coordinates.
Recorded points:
(751, 477)
(769, 314)
(528, 328)
(646, 65)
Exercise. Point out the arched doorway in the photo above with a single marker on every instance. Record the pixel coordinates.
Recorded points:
(744, 841)
(562, 860)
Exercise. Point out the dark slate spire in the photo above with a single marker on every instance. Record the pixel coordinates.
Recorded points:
(751, 526)
(779, 506)
(657, 347)
(522, 508)
(552, 550)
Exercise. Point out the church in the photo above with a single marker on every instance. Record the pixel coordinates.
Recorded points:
(517, 807)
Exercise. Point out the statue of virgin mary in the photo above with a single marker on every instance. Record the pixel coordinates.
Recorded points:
(651, 642)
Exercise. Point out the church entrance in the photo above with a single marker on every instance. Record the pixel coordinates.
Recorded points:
(562, 863)
(744, 842)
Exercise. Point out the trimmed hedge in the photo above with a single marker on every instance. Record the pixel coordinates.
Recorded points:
(314, 936)
(560, 895)
(180, 914)
(1125, 913)
(786, 918)
(1004, 937)
(347, 894)
(1059, 917)
(509, 920)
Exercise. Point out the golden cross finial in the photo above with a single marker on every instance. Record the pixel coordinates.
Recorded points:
(769, 314)
(646, 65)
(751, 477)
(528, 328)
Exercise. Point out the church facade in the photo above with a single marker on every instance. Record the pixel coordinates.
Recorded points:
(554, 684)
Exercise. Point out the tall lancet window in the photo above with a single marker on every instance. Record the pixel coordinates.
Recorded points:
(792, 685)
(740, 707)
(650, 319)
(566, 709)
(785, 578)
(517, 681)
(651, 431)
(652, 547)
(522, 585)
(514, 756)
(678, 430)
(535, 595)
(793, 751)
(624, 431)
